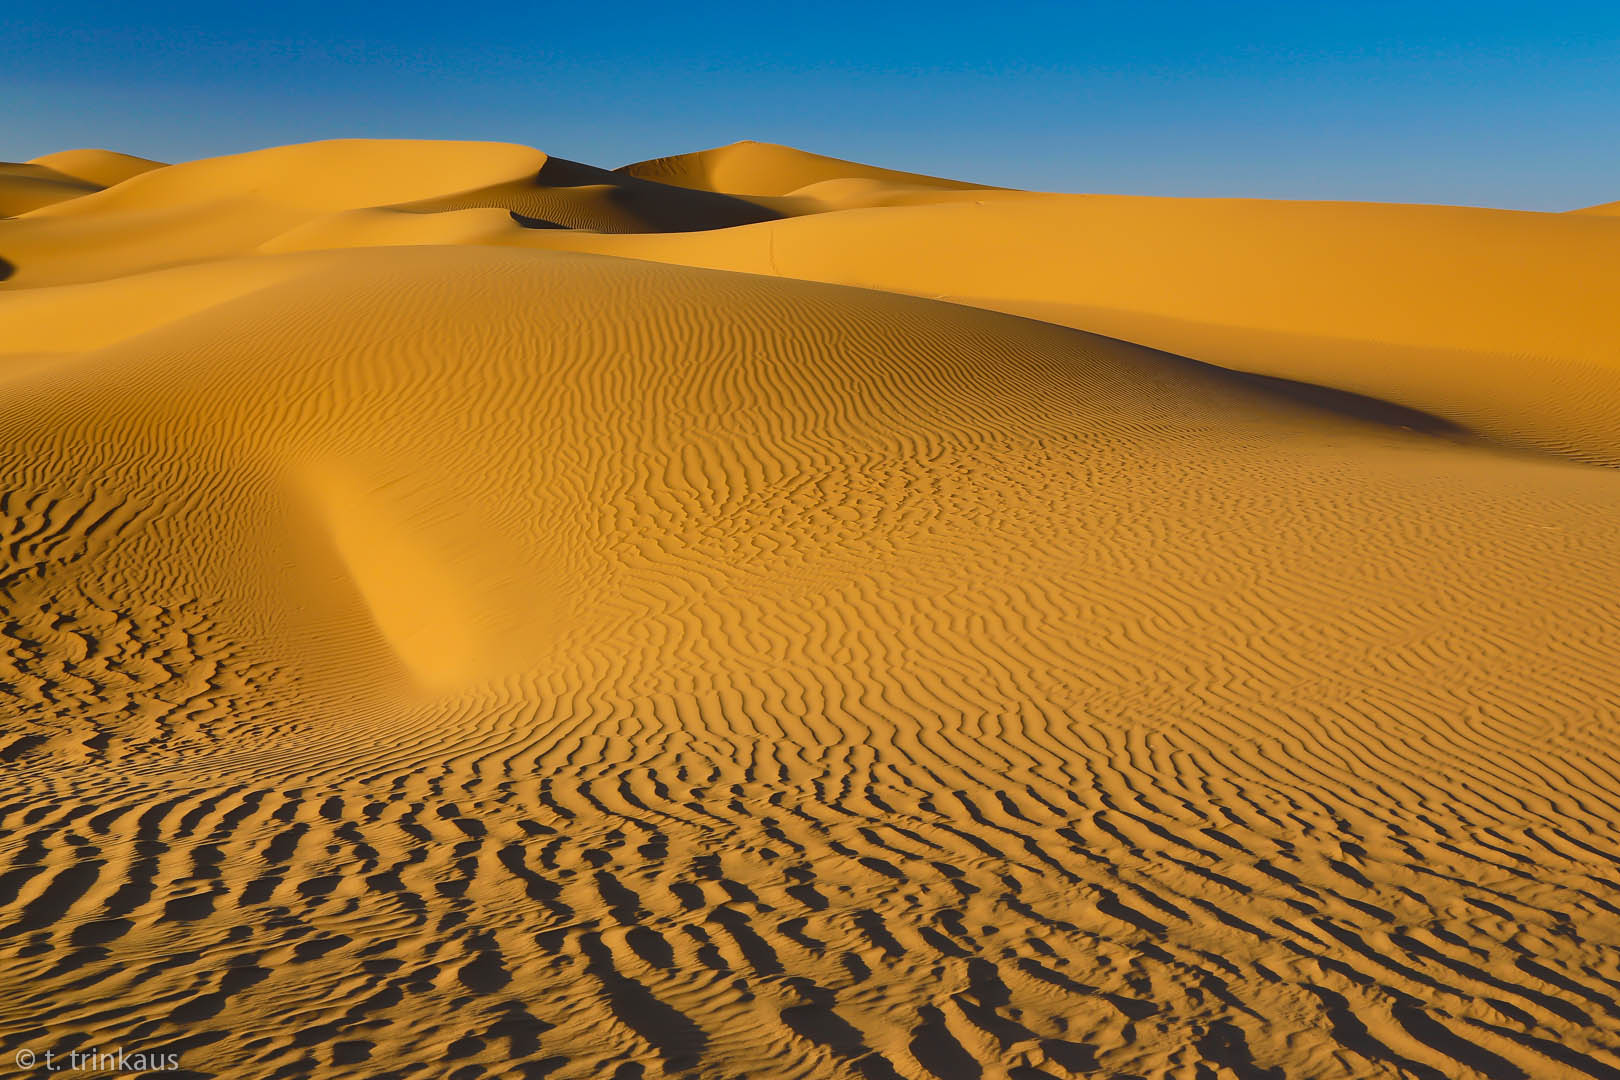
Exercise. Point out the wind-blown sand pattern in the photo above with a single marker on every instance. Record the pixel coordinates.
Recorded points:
(468, 613)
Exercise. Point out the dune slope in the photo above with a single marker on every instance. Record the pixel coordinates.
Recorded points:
(1498, 321)
(337, 193)
(1610, 208)
(103, 168)
(766, 169)
(466, 657)
(25, 187)
(54, 178)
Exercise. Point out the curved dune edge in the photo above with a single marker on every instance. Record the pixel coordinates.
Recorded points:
(104, 168)
(26, 187)
(1498, 321)
(769, 169)
(44, 181)
(1495, 321)
(459, 654)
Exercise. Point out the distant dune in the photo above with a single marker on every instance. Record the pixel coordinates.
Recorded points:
(26, 186)
(753, 614)
(756, 168)
(1602, 208)
(29, 185)
(104, 168)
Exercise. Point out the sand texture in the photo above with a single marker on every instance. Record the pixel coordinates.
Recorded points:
(468, 613)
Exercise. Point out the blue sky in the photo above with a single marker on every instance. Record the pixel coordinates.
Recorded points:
(1498, 104)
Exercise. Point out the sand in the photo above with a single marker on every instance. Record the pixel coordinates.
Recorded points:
(469, 613)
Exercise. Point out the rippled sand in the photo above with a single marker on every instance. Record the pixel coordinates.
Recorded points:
(464, 613)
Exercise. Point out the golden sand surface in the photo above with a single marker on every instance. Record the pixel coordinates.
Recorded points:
(748, 614)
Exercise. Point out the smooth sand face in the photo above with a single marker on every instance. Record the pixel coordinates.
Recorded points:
(756, 168)
(612, 643)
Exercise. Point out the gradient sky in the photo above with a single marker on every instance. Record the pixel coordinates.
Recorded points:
(1497, 104)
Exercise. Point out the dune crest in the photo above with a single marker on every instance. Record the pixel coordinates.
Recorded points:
(471, 612)
(1496, 320)
(759, 168)
(54, 178)
(25, 187)
(103, 168)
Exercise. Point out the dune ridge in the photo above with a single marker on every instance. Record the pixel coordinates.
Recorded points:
(104, 168)
(769, 169)
(443, 643)
(27, 186)
(1442, 309)
(30, 185)
(1601, 208)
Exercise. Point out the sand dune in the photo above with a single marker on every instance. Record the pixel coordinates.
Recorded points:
(756, 168)
(26, 186)
(1497, 321)
(344, 192)
(432, 651)
(793, 182)
(104, 168)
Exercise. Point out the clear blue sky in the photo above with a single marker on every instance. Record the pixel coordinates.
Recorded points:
(1484, 103)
